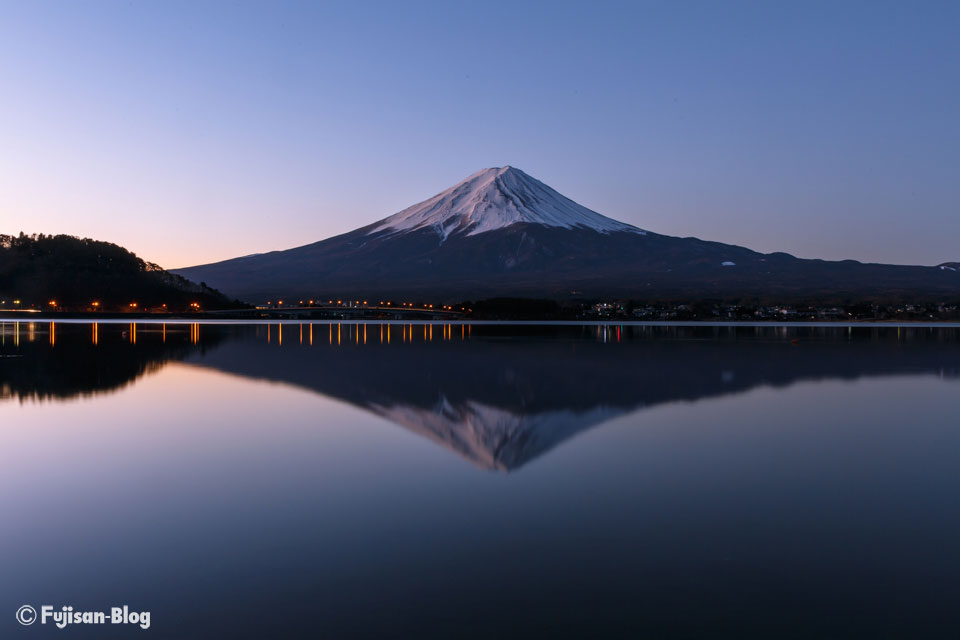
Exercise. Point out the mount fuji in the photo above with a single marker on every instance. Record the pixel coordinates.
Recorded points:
(501, 232)
(494, 199)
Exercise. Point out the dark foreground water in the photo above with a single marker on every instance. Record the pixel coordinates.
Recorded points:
(444, 481)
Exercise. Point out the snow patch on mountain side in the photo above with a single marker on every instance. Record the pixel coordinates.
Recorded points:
(496, 198)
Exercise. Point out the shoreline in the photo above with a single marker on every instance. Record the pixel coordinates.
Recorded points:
(532, 323)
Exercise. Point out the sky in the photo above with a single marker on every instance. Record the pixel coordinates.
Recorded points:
(196, 131)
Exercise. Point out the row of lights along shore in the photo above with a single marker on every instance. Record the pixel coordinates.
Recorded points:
(94, 305)
(361, 303)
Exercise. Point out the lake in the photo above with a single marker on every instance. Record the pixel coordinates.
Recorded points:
(482, 481)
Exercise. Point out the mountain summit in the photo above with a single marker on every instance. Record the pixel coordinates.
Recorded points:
(494, 199)
(501, 232)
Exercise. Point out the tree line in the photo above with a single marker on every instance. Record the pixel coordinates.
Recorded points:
(76, 272)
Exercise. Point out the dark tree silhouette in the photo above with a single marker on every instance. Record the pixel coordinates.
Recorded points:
(75, 272)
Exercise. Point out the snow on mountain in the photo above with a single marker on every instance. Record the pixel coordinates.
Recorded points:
(495, 198)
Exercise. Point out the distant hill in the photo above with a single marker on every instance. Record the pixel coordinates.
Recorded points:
(502, 233)
(76, 272)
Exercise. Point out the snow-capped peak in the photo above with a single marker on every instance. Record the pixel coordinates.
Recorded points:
(495, 198)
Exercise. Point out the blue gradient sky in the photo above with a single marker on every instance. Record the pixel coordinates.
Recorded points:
(196, 131)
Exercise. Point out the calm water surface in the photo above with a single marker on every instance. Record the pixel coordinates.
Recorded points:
(448, 481)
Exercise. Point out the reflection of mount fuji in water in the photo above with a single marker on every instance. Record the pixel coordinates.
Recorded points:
(504, 395)
(499, 396)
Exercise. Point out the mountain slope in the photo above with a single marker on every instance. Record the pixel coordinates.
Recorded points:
(501, 232)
